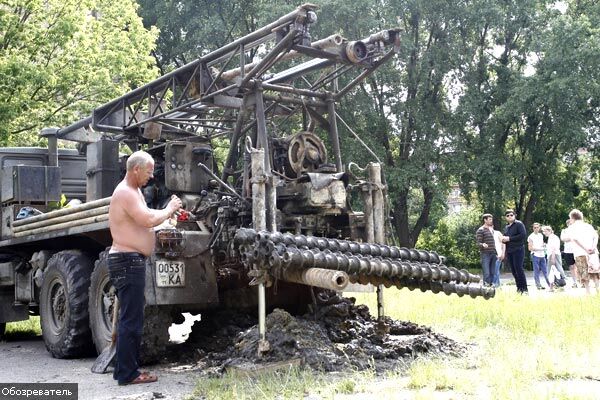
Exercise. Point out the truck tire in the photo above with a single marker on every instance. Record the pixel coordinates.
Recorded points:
(102, 299)
(102, 296)
(2, 330)
(157, 321)
(64, 305)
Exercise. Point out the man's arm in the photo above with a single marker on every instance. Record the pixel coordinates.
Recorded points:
(131, 202)
(575, 239)
(480, 240)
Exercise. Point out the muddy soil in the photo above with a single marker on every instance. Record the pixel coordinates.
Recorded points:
(337, 335)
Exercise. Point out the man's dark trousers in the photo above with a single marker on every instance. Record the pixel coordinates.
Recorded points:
(516, 259)
(128, 275)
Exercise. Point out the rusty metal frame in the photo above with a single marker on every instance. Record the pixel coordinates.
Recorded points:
(204, 98)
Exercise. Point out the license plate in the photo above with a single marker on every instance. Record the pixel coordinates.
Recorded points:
(170, 273)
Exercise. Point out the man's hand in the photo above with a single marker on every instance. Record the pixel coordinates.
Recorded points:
(174, 204)
(501, 258)
(484, 245)
(505, 239)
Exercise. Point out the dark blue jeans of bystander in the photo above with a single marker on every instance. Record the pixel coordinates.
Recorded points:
(515, 259)
(540, 266)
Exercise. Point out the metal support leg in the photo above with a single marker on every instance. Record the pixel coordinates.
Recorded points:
(378, 223)
(259, 220)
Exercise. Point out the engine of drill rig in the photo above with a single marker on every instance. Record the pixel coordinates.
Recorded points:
(311, 196)
(179, 169)
(311, 185)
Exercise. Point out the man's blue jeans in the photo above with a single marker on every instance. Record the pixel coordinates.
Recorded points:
(497, 273)
(515, 259)
(128, 275)
(539, 265)
(488, 265)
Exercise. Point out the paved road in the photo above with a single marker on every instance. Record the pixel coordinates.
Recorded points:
(28, 361)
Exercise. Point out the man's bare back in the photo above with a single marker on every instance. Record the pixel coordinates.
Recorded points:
(130, 219)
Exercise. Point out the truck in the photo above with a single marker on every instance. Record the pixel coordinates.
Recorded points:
(247, 137)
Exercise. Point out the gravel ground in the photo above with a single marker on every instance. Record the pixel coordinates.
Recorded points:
(26, 361)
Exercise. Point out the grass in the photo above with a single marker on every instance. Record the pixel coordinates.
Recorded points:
(23, 329)
(293, 383)
(537, 347)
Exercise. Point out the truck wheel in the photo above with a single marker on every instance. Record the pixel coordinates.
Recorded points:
(102, 299)
(157, 321)
(64, 304)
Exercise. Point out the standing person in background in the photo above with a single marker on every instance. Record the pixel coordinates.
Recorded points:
(553, 250)
(514, 237)
(500, 253)
(585, 242)
(487, 248)
(535, 244)
(568, 251)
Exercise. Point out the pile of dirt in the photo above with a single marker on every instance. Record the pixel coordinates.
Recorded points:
(337, 336)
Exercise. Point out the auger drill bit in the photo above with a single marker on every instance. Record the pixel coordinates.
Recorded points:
(245, 235)
(287, 255)
(364, 265)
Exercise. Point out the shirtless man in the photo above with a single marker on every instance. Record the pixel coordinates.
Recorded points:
(131, 223)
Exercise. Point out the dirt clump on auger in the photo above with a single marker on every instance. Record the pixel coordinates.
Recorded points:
(338, 336)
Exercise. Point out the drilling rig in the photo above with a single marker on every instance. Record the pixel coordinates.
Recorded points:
(247, 136)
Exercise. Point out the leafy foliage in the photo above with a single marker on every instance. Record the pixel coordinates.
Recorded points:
(60, 58)
(454, 238)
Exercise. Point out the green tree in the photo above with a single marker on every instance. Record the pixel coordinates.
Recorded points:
(454, 238)
(189, 29)
(527, 108)
(60, 58)
(402, 111)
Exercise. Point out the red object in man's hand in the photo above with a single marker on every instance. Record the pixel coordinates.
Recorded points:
(183, 215)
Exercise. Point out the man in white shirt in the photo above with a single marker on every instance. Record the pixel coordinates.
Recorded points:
(585, 242)
(568, 253)
(535, 243)
(500, 250)
(553, 250)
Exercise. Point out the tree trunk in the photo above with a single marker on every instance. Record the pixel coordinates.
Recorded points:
(400, 213)
(528, 214)
(423, 217)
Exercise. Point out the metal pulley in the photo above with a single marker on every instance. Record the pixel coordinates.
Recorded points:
(306, 153)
